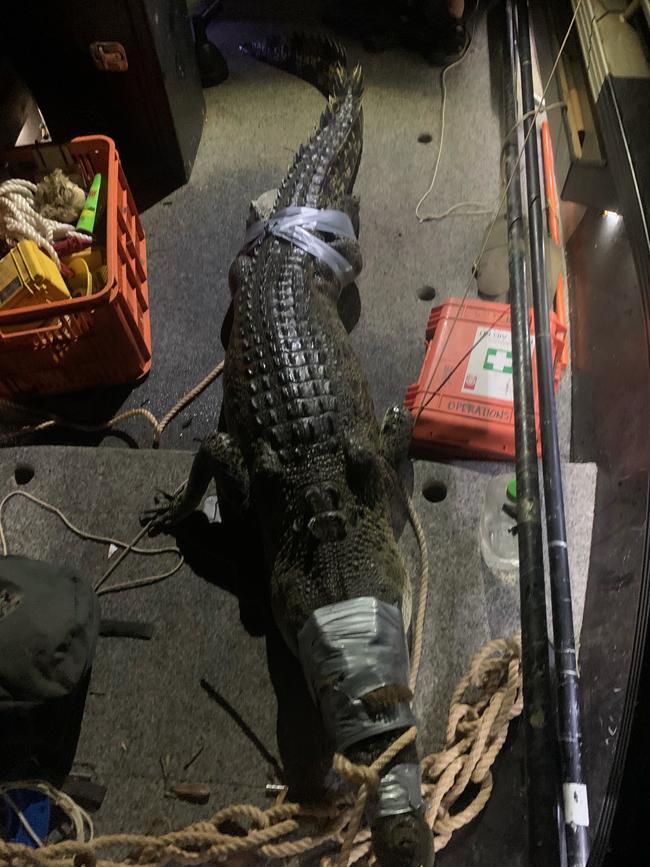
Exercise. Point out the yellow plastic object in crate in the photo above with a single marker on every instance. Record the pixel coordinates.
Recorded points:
(28, 276)
(86, 264)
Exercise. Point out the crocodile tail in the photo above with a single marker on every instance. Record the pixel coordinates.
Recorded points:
(342, 82)
(317, 59)
(356, 81)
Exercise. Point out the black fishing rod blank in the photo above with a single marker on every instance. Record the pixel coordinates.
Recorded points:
(576, 816)
(542, 784)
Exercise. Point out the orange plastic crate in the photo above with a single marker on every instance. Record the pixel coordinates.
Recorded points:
(101, 339)
(462, 403)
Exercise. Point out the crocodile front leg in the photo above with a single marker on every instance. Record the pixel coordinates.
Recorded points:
(218, 458)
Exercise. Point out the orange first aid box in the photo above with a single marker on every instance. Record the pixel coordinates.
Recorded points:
(462, 403)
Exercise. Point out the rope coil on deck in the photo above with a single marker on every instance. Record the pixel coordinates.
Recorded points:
(476, 731)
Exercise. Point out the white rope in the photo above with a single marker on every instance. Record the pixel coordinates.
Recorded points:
(495, 216)
(158, 426)
(19, 219)
(93, 537)
(471, 209)
(478, 209)
(534, 112)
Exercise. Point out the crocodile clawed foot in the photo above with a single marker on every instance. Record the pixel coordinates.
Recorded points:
(155, 519)
(169, 497)
(161, 516)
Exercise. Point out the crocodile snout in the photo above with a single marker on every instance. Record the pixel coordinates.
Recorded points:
(403, 840)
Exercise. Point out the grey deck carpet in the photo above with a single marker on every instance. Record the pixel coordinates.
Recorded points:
(255, 122)
(146, 704)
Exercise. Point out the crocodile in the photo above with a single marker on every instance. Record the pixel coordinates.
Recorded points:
(302, 450)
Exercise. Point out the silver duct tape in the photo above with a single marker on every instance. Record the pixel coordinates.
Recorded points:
(400, 791)
(347, 650)
(297, 225)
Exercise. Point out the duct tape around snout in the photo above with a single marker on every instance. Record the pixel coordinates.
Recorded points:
(400, 791)
(347, 650)
(297, 225)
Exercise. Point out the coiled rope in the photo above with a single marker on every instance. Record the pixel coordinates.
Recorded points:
(19, 219)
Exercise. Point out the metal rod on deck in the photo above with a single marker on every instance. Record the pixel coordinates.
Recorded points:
(568, 699)
(542, 784)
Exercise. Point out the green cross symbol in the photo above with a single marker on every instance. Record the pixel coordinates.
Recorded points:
(499, 360)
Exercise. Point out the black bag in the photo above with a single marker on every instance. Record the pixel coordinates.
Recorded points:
(49, 623)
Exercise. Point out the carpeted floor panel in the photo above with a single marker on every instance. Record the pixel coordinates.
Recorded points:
(146, 705)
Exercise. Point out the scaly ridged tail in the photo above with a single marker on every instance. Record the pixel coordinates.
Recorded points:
(316, 59)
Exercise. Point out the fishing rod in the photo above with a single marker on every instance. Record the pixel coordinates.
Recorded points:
(574, 790)
(542, 783)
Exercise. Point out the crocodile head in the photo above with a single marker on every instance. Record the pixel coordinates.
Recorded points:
(403, 840)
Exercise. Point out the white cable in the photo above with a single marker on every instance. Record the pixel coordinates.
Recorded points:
(93, 537)
(534, 112)
(476, 208)
(539, 110)
(19, 219)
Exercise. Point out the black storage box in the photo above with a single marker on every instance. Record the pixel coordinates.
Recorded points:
(123, 68)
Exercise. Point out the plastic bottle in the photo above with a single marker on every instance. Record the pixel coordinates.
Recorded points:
(498, 526)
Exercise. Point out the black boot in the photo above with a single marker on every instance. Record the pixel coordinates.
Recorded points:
(449, 41)
(212, 65)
